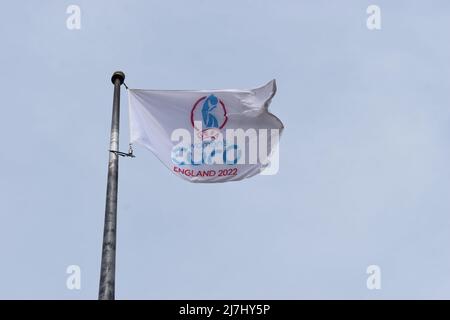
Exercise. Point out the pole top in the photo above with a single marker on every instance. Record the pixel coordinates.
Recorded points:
(118, 75)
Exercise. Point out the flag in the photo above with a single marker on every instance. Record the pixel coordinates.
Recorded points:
(208, 135)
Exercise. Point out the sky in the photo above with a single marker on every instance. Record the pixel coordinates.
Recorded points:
(363, 179)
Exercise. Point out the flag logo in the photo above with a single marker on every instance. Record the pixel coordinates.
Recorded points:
(211, 111)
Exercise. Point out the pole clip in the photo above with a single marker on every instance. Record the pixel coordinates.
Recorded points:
(125, 154)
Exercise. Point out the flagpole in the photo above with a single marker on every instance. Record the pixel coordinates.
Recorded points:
(108, 266)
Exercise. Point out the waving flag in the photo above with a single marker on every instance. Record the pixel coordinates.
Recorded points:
(208, 135)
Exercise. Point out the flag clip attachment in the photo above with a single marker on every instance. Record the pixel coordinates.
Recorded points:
(124, 154)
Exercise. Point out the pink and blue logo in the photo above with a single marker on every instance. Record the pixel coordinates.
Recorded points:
(211, 111)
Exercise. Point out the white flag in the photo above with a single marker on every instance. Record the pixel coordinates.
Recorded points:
(208, 135)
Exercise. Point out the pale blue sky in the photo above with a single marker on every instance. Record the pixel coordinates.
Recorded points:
(364, 174)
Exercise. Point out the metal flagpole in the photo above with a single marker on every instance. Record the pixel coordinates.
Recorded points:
(108, 268)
